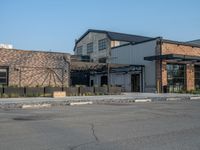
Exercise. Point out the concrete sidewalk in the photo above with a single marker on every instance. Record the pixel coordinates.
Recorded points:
(124, 98)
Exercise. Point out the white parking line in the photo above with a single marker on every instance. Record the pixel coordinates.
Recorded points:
(173, 99)
(80, 103)
(195, 98)
(142, 100)
(25, 106)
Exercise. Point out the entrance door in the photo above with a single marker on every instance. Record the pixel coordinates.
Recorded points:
(104, 80)
(135, 82)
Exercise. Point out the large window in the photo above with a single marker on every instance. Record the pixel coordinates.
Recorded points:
(102, 44)
(176, 77)
(3, 76)
(90, 47)
(197, 77)
(79, 50)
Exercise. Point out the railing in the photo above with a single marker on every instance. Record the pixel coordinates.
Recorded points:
(8, 92)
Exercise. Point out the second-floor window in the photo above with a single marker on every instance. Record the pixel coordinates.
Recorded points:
(79, 50)
(102, 44)
(90, 47)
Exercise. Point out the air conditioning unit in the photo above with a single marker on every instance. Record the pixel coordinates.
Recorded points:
(6, 46)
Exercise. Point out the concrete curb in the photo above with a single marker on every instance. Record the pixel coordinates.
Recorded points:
(50, 102)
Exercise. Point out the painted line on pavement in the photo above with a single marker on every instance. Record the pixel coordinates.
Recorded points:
(30, 106)
(173, 99)
(142, 100)
(195, 98)
(80, 103)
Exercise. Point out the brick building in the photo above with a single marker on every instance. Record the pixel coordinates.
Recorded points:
(33, 68)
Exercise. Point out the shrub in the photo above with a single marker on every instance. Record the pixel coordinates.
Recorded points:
(5, 95)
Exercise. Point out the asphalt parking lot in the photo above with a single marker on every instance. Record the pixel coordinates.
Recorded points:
(140, 126)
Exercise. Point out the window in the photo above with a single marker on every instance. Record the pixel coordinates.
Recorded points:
(176, 77)
(104, 80)
(79, 50)
(91, 82)
(3, 76)
(197, 77)
(102, 44)
(90, 47)
(102, 60)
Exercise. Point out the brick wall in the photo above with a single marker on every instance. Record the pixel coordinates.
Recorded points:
(190, 77)
(168, 48)
(35, 68)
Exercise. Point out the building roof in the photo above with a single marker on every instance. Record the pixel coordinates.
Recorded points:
(195, 41)
(36, 51)
(126, 37)
(181, 43)
(117, 36)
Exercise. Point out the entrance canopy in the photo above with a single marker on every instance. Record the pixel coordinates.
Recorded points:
(176, 57)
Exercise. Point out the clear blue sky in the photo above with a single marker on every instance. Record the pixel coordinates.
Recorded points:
(55, 24)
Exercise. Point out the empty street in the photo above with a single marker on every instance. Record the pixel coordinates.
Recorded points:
(140, 126)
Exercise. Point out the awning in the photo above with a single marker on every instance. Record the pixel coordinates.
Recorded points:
(177, 57)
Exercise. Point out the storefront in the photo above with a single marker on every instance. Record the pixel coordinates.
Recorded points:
(197, 77)
(176, 77)
(177, 73)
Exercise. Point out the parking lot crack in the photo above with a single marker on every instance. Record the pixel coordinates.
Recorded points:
(80, 145)
(93, 133)
(92, 128)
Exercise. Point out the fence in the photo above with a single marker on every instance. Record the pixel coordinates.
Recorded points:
(7, 92)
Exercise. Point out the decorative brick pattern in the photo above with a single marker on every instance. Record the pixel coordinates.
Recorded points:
(35, 68)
